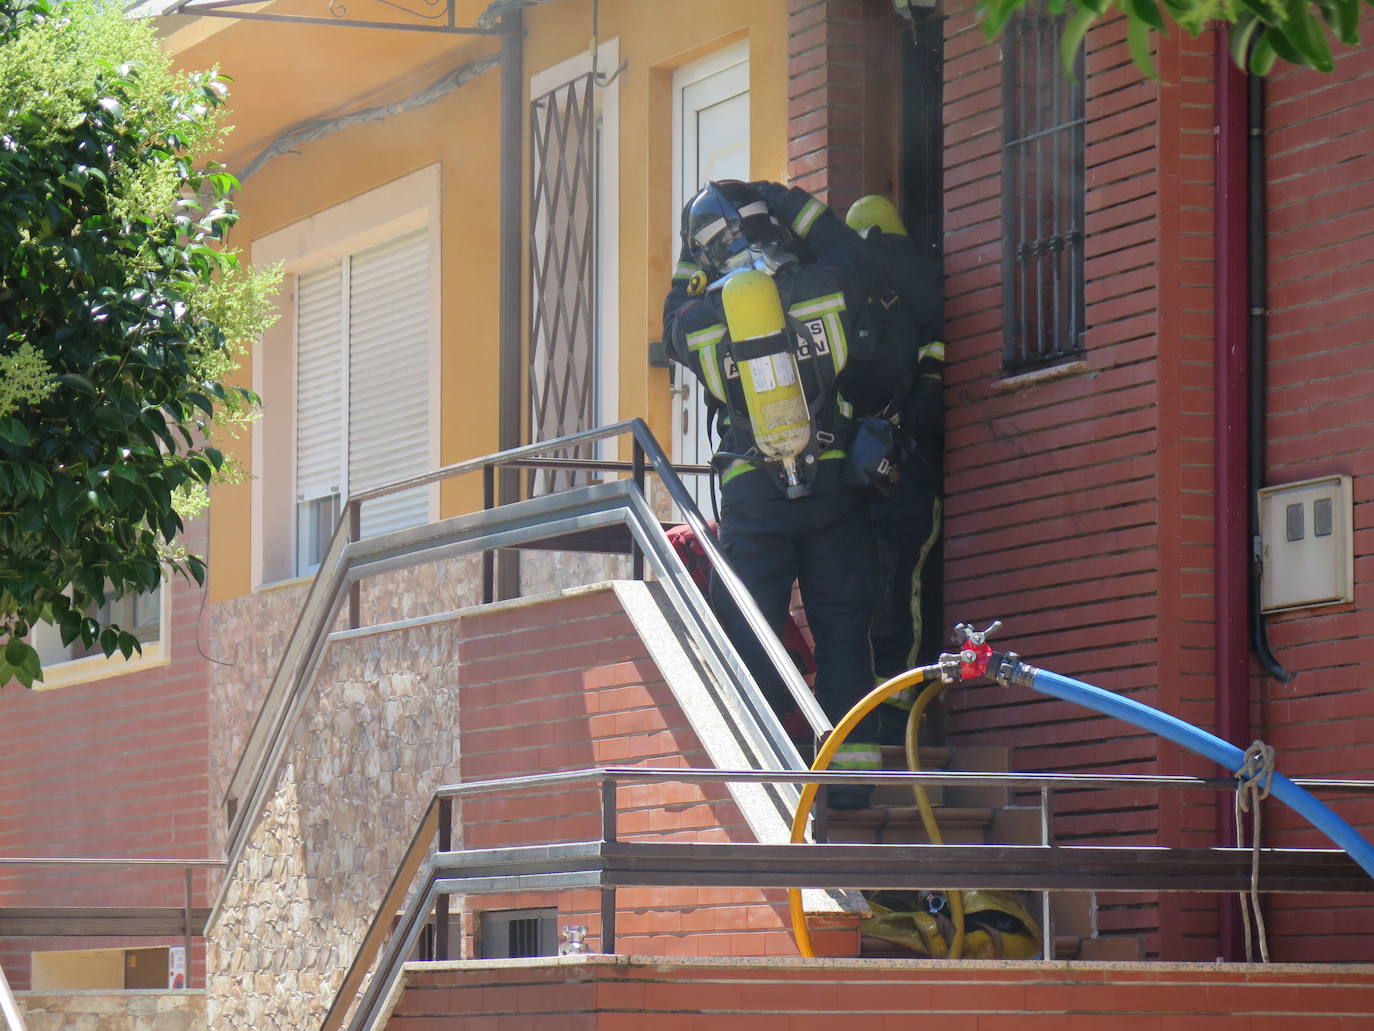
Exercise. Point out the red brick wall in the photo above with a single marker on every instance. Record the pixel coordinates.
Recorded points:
(1321, 421)
(970, 996)
(566, 685)
(825, 99)
(1082, 509)
(1053, 497)
(113, 767)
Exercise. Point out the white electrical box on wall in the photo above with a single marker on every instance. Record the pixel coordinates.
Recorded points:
(1308, 539)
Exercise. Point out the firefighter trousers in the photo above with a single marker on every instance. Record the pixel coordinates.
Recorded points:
(823, 542)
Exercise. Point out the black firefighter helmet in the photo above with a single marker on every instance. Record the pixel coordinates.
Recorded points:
(728, 226)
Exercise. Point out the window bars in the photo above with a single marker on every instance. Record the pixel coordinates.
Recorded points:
(563, 278)
(1043, 183)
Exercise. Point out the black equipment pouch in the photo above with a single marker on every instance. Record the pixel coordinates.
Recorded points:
(871, 465)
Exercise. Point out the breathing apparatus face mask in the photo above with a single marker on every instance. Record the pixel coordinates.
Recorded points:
(767, 256)
(729, 228)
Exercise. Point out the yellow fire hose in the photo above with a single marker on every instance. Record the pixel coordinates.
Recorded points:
(913, 761)
(827, 752)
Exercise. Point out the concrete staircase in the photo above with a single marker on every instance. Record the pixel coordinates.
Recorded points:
(971, 815)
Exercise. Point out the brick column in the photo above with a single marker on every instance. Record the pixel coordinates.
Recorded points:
(825, 111)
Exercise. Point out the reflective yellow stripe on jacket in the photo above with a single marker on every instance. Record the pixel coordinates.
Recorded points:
(705, 342)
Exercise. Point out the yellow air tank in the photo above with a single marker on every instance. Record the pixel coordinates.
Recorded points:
(768, 372)
(875, 210)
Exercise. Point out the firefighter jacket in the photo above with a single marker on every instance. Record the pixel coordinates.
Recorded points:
(823, 297)
(903, 318)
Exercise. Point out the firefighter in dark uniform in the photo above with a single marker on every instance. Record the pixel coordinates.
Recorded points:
(773, 529)
(904, 317)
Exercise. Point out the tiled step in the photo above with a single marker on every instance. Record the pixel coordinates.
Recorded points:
(1072, 912)
(933, 757)
(970, 814)
(980, 758)
(901, 825)
(968, 758)
(1111, 950)
(894, 759)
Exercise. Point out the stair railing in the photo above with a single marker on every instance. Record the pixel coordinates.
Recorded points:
(9, 1006)
(187, 920)
(348, 560)
(427, 877)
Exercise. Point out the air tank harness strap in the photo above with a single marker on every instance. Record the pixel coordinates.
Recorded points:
(1253, 781)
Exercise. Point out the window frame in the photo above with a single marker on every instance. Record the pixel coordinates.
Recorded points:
(82, 669)
(494, 926)
(1069, 331)
(605, 285)
(369, 219)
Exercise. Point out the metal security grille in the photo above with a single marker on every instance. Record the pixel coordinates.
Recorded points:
(523, 938)
(1042, 175)
(563, 247)
(518, 933)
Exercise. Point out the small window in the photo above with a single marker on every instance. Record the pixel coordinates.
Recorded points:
(1042, 190)
(315, 522)
(426, 948)
(139, 614)
(518, 934)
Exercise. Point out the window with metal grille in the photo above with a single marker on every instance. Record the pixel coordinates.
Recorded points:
(518, 933)
(563, 271)
(1042, 190)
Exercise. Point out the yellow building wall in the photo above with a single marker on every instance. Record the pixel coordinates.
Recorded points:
(287, 75)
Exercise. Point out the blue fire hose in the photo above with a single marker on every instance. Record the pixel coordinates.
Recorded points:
(1212, 747)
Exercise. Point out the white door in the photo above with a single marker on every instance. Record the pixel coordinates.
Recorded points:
(710, 141)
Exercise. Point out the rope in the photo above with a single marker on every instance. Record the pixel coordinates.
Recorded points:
(1254, 779)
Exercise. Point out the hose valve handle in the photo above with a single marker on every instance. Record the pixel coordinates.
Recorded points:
(975, 651)
(970, 637)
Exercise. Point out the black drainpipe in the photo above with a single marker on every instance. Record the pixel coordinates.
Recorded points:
(1258, 301)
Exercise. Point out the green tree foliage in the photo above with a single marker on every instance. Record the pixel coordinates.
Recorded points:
(121, 316)
(1298, 32)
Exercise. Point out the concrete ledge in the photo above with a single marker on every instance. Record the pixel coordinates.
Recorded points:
(610, 993)
(104, 1010)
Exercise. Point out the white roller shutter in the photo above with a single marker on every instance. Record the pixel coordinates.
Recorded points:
(388, 378)
(319, 383)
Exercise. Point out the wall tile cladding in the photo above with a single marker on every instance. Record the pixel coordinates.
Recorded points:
(378, 734)
(250, 634)
(568, 684)
(609, 996)
(561, 683)
(302, 898)
(113, 1011)
(1089, 500)
(1320, 421)
(110, 767)
(825, 98)
(1052, 493)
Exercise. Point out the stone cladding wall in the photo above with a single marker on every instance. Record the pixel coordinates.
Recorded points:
(113, 1011)
(250, 633)
(542, 572)
(378, 734)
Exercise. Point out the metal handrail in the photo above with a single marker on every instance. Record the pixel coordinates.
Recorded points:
(575, 865)
(9, 1006)
(931, 778)
(112, 862)
(187, 866)
(348, 560)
